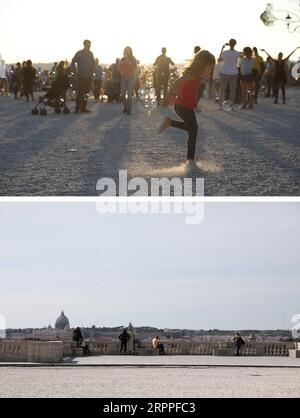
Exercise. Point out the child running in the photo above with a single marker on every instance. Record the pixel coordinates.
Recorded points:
(247, 64)
(184, 93)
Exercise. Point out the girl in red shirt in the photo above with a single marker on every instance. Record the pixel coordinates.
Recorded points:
(184, 95)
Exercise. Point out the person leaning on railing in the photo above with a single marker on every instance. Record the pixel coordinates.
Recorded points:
(157, 345)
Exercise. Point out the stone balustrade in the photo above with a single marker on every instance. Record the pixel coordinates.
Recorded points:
(104, 348)
(267, 349)
(179, 348)
(54, 352)
(31, 351)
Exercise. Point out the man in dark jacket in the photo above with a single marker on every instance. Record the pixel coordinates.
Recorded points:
(78, 337)
(85, 62)
(29, 78)
(239, 343)
(124, 338)
(162, 72)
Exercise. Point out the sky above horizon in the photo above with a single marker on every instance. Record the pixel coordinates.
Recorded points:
(239, 269)
(55, 32)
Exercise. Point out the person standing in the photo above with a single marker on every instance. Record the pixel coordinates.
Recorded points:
(229, 71)
(162, 72)
(269, 77)
(17, 80)
(114, 82)
(280, 77)
(85, 62)
(157, 345)
(3, 78)
(29, 78)
(258, 70)
(78, 337)
(98, 80)
(217, 78)
(131, 340)
(127, 68)
(239, 343)
(247, 64)
(124, 338)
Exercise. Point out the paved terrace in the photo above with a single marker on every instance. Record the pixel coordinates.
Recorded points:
(241, 153)
(154, 377)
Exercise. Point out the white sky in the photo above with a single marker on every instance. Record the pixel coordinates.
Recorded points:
(237, 270)
(51, 31)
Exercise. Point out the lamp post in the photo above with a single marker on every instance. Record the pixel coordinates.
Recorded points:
(293, 24)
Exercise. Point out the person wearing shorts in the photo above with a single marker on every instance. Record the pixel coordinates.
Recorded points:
(247, 64)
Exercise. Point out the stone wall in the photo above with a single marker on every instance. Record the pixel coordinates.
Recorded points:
(31, 352)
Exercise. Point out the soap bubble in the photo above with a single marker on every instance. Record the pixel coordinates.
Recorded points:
(296, 71)
(227, 105)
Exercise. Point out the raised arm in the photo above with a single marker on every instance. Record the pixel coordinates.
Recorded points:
(222, 50)
(263, 50)
(289, 56)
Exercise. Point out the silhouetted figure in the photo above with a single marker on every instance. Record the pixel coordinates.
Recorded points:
(17, 80)
(239, 343)
(78, 337)
(29, 77)
(258, 70)
(269, 77)
(98, 80)
(162, 72)
(124, 338)
(85, 62)
(128, 69)
(280, 77)
(113, 85)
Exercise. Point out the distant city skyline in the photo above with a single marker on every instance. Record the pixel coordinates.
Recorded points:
(237, 270)
(209, 24)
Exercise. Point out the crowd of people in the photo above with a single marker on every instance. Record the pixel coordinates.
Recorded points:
(234, 74)
(234, 77)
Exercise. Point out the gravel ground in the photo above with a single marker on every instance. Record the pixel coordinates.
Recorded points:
(138, 382)
(241, 153)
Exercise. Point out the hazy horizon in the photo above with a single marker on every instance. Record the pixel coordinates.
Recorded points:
(137, 24)
(239, 269)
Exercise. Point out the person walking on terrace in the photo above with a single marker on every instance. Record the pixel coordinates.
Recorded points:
(162, 71)
(85, 62)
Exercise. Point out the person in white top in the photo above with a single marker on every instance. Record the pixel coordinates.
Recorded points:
(3, 78)
(229, 70)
